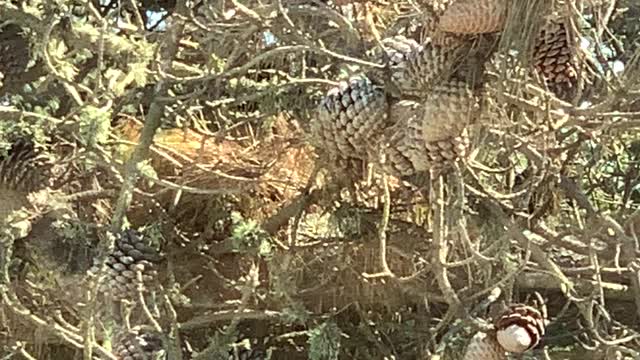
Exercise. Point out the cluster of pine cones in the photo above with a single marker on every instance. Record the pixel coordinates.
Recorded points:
(414, 117)
(411, 118)
(25, 170)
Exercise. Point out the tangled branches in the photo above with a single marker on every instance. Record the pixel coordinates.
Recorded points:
(179, 136)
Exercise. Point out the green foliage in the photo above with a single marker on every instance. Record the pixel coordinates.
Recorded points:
(146, 170)
(94, 125)
(248, 237)
(15, 226)
(324, 342)
(11, 131)
(296, 313)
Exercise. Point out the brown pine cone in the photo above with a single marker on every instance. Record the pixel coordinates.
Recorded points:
(555, 60)
(397, 50)
(139, 343)
(518, 329)
(448, 111)
(443, 153)
(14, 51)
(416, 68)
(483, 346)
(450, 107)
(432, 10)
(473, 17)
(431, 135)
(131, 257)
(25, 179)
(22, 170)
(404, 148)
(436, 7)
(350, 117)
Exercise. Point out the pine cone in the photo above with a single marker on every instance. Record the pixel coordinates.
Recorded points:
(450, 108)
(350, 117)
(404, 147)
(443, 153)
(448, 111)
(554, 59)
(518, 329)
(483, 346)
(474, 16)
(22, 171)
(431, 135)
(416, 68)
(14, 51)
(130, 256)
(139, 343)
(431, 12)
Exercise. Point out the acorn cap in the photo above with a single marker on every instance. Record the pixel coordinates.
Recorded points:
(520, 328)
